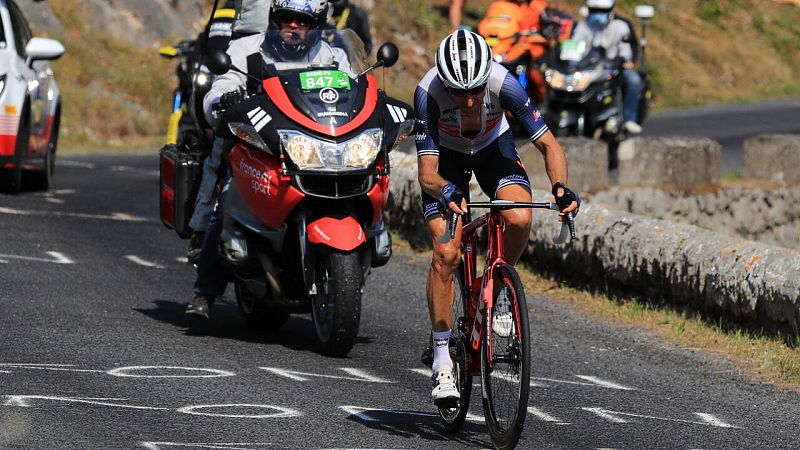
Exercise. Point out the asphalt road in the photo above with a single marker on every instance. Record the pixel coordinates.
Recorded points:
(730, 125)
(95, 352)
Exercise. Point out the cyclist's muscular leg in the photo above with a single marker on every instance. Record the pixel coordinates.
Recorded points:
(446, 258)
(518, 222)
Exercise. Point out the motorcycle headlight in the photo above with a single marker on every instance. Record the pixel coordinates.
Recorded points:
(581, 80)
(554, 78)
(202, 79)
(310, 153)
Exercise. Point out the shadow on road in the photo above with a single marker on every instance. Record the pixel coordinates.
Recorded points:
(225, 323)
(421, 424)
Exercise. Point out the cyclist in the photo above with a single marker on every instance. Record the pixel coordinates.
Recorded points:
(460, 109)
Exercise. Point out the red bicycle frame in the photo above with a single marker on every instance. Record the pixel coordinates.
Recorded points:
(480, 289)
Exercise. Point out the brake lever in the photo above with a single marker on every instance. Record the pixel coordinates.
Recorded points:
(450, 234)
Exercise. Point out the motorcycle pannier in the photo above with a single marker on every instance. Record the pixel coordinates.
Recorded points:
(180, 174)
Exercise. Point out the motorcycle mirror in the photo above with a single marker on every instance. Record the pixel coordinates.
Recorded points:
(218, 62)
(388, 54)
(644, 11)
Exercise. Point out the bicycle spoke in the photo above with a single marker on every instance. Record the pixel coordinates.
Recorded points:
(505, 379)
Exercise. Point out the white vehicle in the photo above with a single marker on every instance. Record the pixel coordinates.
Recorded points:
(30, 103)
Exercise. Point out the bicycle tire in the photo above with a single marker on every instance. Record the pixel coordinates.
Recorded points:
(453, 418)
(505, 381)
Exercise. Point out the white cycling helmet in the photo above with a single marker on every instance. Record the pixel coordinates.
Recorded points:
(464, 60)
(600, 4)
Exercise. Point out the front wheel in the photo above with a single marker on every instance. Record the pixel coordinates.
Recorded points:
(506, 360)
(11, 179)
(336, 308)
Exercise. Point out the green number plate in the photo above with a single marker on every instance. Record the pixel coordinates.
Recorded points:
(572, 50)
(319, 79)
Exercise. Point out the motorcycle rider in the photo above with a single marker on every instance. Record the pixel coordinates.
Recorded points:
(346, 15)
(293, 43)
(460, 109)
(602, 29)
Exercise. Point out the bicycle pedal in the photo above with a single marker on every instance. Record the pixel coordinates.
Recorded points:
(447, 402)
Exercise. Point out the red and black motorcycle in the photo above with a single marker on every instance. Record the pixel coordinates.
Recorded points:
(303, 219)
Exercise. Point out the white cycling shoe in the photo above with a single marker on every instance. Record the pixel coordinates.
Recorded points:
(444, 391)
(502, 321)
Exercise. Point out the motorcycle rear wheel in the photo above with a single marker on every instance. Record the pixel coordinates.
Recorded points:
(336, 308)
(256, 314)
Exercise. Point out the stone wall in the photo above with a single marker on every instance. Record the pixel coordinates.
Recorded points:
(769, 216)
(774, 157)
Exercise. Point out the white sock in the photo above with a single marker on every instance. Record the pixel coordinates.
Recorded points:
(441, 350)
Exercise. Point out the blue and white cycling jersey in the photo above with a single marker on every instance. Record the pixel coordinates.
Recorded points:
(438, 119)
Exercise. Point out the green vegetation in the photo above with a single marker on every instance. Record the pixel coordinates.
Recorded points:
(117, 97)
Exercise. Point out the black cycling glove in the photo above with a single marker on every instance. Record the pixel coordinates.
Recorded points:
(450, 193)
(231, 98)
(564, 201)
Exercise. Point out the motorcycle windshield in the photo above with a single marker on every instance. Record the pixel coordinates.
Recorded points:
(325, 85)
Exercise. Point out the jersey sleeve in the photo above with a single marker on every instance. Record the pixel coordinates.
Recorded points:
(514, 99)
(426, 114)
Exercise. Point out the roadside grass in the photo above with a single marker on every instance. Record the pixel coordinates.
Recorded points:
(771, 356)
(116, 98)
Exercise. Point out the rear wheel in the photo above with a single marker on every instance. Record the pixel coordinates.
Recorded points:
(453, 418)
(255, 312)
(506, 360)
(336, 308)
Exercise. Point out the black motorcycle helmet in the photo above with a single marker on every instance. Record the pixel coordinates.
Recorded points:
(338, 6)
(316, 12)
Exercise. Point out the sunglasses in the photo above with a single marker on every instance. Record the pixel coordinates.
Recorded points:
(467, 92)
(299, 19)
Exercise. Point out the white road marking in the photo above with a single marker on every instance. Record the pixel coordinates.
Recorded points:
(213, 445)
(207, 373)
(356, 375)
(543, 416)
(23, 401)
(592, 381)
(364, 413)
(605, 415)
(706, 419)
(56, 258)
(713, 420)
(5, 371)
(136, 260)
(54, 367)
(280, 414)
(604, 383)
(66, 162)
(122, 217)
(130, 169)
(57, 201)
(182, 259)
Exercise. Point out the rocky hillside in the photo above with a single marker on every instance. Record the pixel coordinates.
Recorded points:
(117, 90)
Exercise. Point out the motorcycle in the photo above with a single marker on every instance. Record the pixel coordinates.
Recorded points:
(309, 162)
(518, 42)
(584, 91)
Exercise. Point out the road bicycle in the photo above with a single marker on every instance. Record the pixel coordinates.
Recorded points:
(489, 326)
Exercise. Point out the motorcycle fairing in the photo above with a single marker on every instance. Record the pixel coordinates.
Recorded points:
(277, 92)
(258, 177)
(398, 121)
(378, 197)
(342, 234)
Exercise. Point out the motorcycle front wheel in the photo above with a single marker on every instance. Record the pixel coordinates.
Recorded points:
(336, 308)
